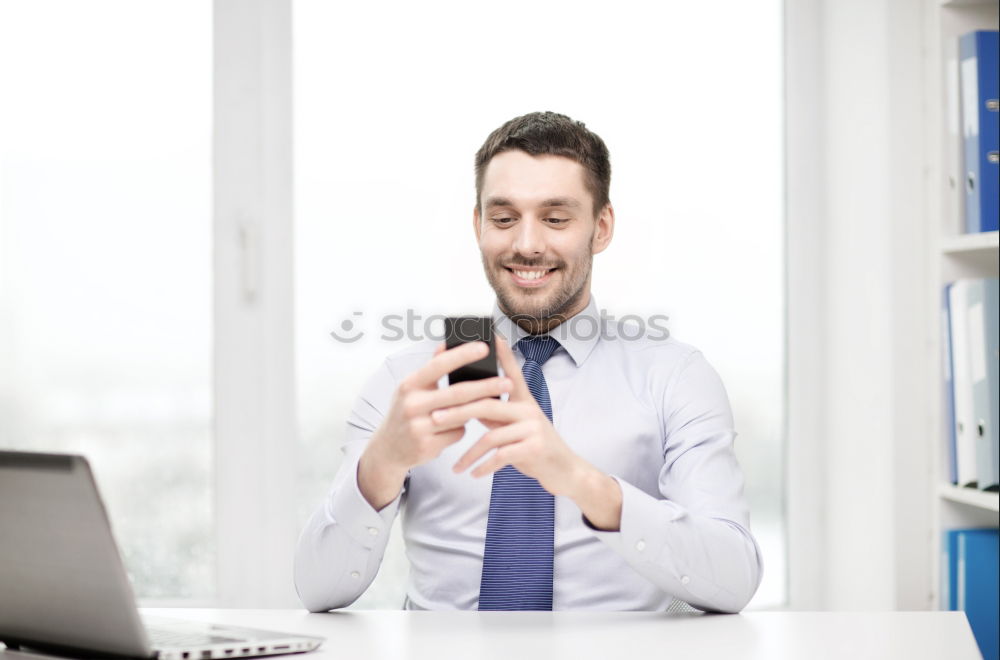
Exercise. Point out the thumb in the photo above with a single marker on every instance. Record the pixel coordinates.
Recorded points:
(511, 370)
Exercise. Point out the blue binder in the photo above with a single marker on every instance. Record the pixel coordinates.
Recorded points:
(972, 557)
(978, 54)
(949, 570)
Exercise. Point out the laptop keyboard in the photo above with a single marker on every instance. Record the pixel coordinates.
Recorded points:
(164, 638)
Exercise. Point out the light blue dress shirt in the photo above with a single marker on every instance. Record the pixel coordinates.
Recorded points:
(648, 410)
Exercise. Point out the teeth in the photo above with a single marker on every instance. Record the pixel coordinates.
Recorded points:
(530, 274)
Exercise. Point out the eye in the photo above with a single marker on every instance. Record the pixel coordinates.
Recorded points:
(503, 221)
(558, 221)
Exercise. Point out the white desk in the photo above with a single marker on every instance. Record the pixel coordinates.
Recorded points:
(395, 635)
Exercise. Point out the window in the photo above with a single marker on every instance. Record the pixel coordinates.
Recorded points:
(391, 103)
(105, 265)
(106, 227)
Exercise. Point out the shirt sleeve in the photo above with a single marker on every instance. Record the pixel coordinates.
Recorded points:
(694, 541)
(341, 547)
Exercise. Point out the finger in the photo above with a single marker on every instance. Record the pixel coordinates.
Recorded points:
(487, 409)
(520, 390)
(424, 402)
(503, 457)
(448, 437)
(502, 436)
(491, 425)
(465, 392)
(447, 361)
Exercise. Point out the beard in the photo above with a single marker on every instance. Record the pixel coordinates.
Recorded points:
(538, 311)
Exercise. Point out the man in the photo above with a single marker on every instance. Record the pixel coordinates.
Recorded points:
(614, 484)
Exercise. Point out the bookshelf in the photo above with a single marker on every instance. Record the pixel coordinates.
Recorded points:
(969, 497)
(953, 254)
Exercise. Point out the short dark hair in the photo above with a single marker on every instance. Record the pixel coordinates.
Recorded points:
(551, 133)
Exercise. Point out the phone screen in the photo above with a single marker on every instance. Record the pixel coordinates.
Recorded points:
(460, 330)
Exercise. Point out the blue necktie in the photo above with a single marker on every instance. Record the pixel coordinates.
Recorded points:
(517, 563)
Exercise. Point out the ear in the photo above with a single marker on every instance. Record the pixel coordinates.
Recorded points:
(604, 230)
(475, 222)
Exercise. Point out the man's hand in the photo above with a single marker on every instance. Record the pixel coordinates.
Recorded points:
(521, 434)
(407, 437)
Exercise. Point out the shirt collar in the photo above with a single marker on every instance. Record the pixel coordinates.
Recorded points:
(578, 335)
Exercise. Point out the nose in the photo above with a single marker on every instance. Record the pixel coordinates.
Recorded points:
(529, 239)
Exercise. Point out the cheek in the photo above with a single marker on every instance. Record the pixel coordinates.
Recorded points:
(497, 241)
(491, 249)
(487, 239)
(574, 250)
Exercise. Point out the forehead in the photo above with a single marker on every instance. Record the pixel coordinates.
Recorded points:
(529, 180)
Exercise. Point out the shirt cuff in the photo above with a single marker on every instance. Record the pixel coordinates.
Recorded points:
(639, 538)
(361, 522)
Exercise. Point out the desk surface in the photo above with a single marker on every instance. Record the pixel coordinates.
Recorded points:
(395, 635)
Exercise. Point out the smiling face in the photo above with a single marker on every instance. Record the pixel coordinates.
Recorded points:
(537, 235)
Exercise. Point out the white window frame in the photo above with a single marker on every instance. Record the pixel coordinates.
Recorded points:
(254, 362)
(805, 284)
(255, 424)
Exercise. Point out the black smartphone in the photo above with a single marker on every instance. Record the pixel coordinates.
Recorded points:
(460, 330)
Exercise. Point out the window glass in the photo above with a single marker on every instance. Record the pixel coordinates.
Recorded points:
(105, 265)
(391, 103)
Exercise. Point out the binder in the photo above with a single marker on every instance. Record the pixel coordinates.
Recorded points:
(978, 54)
(965, 430)
(949, 385)
(949, 570)
(973, 571)
(983, 322)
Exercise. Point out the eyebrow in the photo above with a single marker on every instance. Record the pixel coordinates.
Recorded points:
(493, 202)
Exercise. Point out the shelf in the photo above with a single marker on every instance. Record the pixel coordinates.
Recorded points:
(969, 255)
(969, 243)
(971, 497)
(952, 255)
(967, 3)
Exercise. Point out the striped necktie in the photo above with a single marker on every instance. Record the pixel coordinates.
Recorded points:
(517, 562)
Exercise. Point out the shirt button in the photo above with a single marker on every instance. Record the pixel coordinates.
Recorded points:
(373, 531)
(355, 574)
(685, 579)
(640, 545)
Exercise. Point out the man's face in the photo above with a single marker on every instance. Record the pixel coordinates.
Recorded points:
(537, 235)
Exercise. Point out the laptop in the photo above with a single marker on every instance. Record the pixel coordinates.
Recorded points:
(63, 587)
